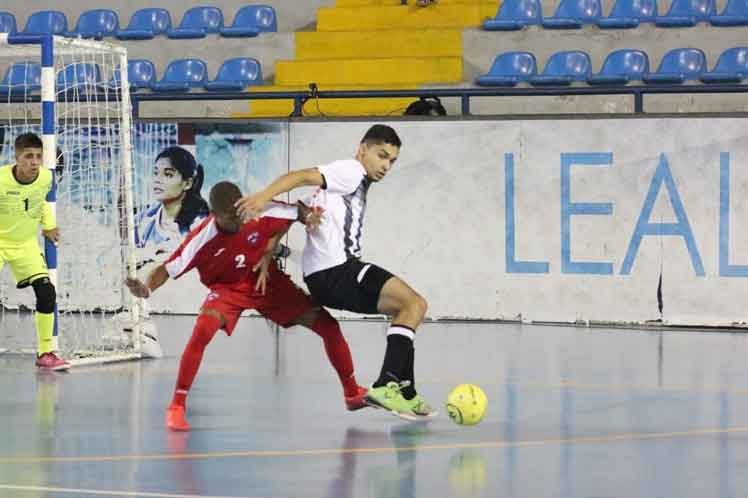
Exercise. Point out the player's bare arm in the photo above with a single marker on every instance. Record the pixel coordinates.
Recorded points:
(252, 205)
(156, 278)
(311, 217)
(265, 261)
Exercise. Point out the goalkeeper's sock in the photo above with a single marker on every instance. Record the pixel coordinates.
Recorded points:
(337, 351)
(205, 328)
(45, 328)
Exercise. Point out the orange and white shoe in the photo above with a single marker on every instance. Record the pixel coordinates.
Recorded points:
(357, 401)
(50, 361)
(175, 418)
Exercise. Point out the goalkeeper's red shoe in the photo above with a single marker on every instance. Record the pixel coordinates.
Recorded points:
(50, 361)
(356, 402)
(175, 418)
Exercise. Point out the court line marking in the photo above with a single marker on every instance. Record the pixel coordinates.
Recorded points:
(581, 385)
(634, 436)
(107, 492)
(570, 383)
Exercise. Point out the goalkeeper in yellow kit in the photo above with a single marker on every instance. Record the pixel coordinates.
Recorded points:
(23, 207)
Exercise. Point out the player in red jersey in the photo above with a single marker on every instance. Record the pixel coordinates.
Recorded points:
(233, 262)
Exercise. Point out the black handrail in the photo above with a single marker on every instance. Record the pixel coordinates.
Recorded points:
(465, 94)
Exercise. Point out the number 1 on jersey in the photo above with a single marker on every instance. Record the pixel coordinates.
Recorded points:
(26, 204)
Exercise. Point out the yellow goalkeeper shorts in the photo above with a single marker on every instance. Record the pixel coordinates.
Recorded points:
(26, 261)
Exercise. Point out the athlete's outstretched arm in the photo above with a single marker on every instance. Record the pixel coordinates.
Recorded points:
(155, 279)
(266, 260)
(251, 205)
(311, 217)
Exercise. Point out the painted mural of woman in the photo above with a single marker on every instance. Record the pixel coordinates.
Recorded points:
(178, 206)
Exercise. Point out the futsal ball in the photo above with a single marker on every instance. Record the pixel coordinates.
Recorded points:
(466, 404)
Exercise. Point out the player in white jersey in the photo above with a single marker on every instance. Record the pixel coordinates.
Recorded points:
(333, 270)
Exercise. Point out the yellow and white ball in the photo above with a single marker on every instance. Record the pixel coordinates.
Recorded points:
(466, 404)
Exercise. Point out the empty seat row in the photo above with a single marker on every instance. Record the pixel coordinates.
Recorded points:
(180, 75)
(572, 14)
(619, 68)
(146, 24)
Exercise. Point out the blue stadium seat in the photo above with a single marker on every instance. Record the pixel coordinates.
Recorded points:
(563, 68)
(685, 13)
(198, 22)
(183, 74)
(22, 77)
(80, 77)
(735, 14)
(50, 22)
(621, 67)
(731, 67)
(572, 14)
(679, 65)
(141, 73)
(508, 69)
(514, 15)
(251, 21)
(145, 24)
(7, 23)
(629, 14)
(236, 74)
(96, 24)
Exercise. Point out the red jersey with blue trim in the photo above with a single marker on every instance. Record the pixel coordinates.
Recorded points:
(223, 258)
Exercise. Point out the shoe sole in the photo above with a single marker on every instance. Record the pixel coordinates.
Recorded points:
(427, 416)
(405, 416)
(58, 368)
(356, 408)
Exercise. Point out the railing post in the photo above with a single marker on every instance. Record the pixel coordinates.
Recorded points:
(135, 106)
(465, 103)
(298, 105)
(638, 102)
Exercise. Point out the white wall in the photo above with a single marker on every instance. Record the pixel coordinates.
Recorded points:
(439, 220)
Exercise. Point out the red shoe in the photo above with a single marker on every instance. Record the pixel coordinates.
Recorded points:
(175, 418)
(50, 361)
(356, 402)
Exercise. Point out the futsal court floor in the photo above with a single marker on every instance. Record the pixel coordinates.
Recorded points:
(573, 412)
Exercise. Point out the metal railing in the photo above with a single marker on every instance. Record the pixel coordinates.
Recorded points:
(464, 94)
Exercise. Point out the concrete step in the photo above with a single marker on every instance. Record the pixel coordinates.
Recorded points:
(403, 17)
(328, 107)
(397, 3)
(374, 71)
(376, 44)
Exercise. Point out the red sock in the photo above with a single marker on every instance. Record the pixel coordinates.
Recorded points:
(337, 351)
(205, 328)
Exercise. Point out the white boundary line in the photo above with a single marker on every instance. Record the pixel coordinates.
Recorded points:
(104, 492)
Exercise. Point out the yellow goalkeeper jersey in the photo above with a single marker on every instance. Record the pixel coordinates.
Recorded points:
(23, 207)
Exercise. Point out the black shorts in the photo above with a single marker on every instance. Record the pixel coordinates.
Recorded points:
(352, 286)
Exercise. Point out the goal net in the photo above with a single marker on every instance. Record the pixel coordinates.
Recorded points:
(68, 91)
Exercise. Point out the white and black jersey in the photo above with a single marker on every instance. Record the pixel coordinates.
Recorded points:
(343, 198)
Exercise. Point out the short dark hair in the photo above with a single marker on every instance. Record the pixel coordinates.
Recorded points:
(28, 141)
(223, 195)
(382, 134)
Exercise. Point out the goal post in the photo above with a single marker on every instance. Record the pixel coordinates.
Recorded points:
(69, 91)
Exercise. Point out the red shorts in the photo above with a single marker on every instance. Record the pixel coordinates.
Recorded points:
(282, 302)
